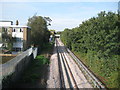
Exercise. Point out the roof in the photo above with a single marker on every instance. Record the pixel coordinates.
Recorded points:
(5, 21)
(15, 26)
(20, 26)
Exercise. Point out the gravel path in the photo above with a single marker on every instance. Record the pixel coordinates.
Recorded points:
(53, 81)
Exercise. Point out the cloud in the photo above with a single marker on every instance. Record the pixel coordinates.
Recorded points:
(17, 11)
(60, 24)
(1, 10)
(63, 15)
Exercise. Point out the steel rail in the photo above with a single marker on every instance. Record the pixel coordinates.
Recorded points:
(66, 72)
(60, 68)
(91, 76)
(67, 65)
(71, 73)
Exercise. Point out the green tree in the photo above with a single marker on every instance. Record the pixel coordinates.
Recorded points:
(39, 30)
(6, 39)
(98, 39)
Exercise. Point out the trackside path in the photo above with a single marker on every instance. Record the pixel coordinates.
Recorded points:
(53, 81)
(63, 63)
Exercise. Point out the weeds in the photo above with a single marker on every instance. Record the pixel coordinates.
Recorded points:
(30, 75)
(105, 69)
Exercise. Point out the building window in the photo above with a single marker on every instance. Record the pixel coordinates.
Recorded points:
(13, 49)
(13, 30)
(20, 30)
(17, 49)
(17, 39)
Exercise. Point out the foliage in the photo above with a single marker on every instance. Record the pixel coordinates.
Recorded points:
(98, 39)
(6, 39)
(58, 32)
(52, 32)
(48, 20)
(30, 75)
(39, 31)
(43, 60)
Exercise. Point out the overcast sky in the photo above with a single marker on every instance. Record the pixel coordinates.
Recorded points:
(64, 14)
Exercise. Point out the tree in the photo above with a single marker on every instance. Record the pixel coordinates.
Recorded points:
(39, 30)
(98, 41)
(6, 39)
(48, 20)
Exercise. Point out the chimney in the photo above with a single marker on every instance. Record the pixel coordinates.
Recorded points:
(17, 22)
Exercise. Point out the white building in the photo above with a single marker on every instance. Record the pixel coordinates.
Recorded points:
(20, 35)
(6, 23)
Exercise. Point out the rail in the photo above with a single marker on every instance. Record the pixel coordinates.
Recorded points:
(60, 68)
(95, 81)
(64, 67)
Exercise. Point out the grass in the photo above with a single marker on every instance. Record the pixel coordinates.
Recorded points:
(34, 72)
(31, 75)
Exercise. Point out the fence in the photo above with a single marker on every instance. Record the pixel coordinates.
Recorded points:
(15, 66)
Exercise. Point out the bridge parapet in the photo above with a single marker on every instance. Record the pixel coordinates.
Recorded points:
(57, 35)
(15, 66)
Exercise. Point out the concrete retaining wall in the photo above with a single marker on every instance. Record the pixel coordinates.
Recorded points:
(15, 67)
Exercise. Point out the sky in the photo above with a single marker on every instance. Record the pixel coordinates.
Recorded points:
(64, 14)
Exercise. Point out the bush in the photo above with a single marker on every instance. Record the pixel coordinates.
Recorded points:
(98, 41)
(42, 60)
(30, 75)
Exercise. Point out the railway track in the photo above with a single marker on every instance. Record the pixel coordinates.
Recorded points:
(90, 75)
(71, 78)
(65, 71)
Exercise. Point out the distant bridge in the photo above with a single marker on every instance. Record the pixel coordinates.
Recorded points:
(57, 35)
